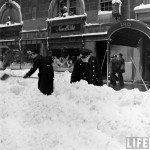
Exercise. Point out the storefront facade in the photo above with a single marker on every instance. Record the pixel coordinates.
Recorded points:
(80, 24)
(62, 35)
(15, 41)
(70, 32)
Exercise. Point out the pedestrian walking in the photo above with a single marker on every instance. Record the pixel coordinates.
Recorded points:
(46, 72)
(87, 68)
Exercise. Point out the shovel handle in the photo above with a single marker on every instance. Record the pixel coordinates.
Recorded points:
(22, 77)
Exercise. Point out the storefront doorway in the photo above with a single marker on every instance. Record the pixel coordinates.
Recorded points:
(101, 55)
(135, 34)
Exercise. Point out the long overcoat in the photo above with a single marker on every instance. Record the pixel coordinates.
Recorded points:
(46, 73)
(89, 71)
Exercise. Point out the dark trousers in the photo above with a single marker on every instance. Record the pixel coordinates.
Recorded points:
(114, 78)
(45, 84)
(120, 78)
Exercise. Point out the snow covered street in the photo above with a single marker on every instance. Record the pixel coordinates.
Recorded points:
(76, 116)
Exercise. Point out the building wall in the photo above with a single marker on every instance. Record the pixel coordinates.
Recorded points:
(30, 23)
(32, 20)
(91, 7)
(91, 45)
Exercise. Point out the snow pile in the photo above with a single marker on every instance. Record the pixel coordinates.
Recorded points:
(76, 116)
(142, 6)
(116, 1)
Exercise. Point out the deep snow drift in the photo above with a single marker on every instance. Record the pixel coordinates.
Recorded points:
(75, 117)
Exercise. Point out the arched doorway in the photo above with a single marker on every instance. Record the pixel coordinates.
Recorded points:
(135, 34)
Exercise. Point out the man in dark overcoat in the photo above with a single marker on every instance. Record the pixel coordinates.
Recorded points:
(117, 66)
(121, 69)
(113, 68)
(87, 68)
(46, 72)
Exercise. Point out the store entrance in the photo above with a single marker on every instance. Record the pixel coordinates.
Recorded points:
(101, 55)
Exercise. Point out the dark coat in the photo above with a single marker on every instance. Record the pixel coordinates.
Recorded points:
(46, 73)
(90, 72)
(121, 63)
(114, 65)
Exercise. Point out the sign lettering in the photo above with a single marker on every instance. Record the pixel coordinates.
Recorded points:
(137, 143)
(65, 28)
(125, 24)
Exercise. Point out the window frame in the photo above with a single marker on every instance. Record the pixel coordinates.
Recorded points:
(69, 7)
(73, 7)
(105, 7)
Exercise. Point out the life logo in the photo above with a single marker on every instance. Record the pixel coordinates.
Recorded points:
(137, 143)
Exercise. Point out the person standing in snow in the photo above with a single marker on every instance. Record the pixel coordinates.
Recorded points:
(46, 72)
(87, 68)
(113, 68)
(121, 69)
(117, 66)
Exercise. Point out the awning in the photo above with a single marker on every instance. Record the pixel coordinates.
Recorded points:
(33, 41)
(8, 42)
(128, 33)
(23, 41)
(67, 42)
(100, 36)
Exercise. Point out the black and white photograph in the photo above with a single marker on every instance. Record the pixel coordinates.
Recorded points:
(74, 74)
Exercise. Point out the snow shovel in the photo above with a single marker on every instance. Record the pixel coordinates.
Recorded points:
(5, 76)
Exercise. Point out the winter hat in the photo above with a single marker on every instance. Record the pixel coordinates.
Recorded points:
(113, 56)
(85, 52)
(120, 54)
(34, 52)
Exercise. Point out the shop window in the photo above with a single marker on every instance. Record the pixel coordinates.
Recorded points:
(63, 3)
(106, 5)
(72, 8)
(60, 5)
(64, 59)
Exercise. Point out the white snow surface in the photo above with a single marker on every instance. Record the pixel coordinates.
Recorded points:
(142, 6)
(116, 1)
(76, 116)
